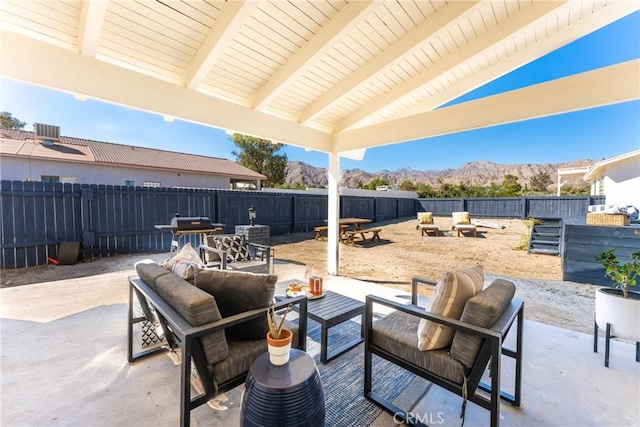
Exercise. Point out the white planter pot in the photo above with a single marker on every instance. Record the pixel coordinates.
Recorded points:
(278, 356)
(622, 313)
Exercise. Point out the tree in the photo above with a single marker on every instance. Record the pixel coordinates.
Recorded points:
(376, 182)
(540, 182)
(260, 155)
(426, 190)
(510, 186)
(8, 121)
(408, 185)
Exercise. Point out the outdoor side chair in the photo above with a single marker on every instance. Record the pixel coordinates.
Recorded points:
(233, 252)
(458, 368)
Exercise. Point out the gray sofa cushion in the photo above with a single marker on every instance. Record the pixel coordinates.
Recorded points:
(236, 292)
(198, 308)
(483, 309)
(397, 333)
(149, 271)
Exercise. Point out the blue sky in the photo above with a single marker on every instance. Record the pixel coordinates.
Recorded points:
(594, 134)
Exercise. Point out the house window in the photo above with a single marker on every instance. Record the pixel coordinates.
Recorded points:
(150, 184)
(68, 180)
(50, 178)
(129, 182)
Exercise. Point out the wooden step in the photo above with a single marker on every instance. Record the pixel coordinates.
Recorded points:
(544, 251)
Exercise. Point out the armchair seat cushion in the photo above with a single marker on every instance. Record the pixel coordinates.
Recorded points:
(397, 334)
(251, 266)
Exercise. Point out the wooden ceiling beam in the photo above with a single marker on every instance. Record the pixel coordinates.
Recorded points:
(605, 86)
(401, 47)
(91, 20)
(227, 26)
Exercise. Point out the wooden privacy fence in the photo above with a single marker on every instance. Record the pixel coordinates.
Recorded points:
(572, 208)
(36, 217)
(106, 220)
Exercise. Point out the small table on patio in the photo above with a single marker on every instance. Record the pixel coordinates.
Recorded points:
(329, 311)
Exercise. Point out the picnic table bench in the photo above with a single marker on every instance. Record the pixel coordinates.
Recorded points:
(350, 235)
(322, 229)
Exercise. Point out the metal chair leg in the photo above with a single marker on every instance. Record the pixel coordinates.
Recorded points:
(607, 345)
(595, 337)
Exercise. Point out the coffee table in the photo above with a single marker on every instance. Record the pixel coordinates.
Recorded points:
(329, 311)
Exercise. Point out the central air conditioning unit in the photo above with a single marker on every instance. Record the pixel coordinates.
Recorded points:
(48, 134)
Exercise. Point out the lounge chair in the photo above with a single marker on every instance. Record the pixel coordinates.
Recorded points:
(462, 223)
(426, 225)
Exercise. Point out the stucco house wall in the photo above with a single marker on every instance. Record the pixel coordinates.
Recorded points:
(25, 169)
(618, 181)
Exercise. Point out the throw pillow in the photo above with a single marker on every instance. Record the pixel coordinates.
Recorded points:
(481, 310)
(461, 218)
(449, 298)
(425, 218)
(236, 292)
(236, 247)
(185, 269)
(186, 253)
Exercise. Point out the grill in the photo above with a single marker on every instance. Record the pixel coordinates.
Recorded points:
(190, 223)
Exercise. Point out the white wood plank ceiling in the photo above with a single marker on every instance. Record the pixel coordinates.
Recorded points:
(330, 75)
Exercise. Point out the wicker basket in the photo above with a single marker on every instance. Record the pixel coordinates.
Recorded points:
(607, 219)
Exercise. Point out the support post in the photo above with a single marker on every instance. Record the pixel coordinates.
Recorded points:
(333, 214)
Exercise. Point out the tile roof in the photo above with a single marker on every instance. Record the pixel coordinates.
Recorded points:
(127, 155)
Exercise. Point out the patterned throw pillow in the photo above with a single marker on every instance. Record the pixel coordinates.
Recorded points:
(425, 218)
(461, 218)
(237, 249)
(449, 298)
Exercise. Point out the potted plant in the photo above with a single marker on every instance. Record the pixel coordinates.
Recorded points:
(619, 307)
(278, 338)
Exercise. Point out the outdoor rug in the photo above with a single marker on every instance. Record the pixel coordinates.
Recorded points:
(343, 379)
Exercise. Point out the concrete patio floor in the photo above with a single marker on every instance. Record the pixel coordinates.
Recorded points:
(63, 362)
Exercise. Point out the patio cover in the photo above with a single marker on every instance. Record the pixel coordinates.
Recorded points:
(332, 76)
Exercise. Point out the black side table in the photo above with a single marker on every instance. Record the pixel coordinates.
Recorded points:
(287, 395)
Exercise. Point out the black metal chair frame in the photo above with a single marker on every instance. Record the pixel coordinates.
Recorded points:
(178, 332)
(490, 351)
(256, 251)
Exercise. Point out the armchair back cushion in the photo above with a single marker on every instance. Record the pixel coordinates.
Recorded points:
(198, 308)
(425, 218)
(451, 294)
(481, 310)
(236, 292)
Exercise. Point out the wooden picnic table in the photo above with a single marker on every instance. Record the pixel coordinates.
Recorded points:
(356, 222)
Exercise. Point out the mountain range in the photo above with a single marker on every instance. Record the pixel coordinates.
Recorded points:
(480, 172)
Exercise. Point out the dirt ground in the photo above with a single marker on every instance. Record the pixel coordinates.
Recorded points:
(402, 254)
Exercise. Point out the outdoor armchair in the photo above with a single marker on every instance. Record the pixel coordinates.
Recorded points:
(459, 366)
(233, 252)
